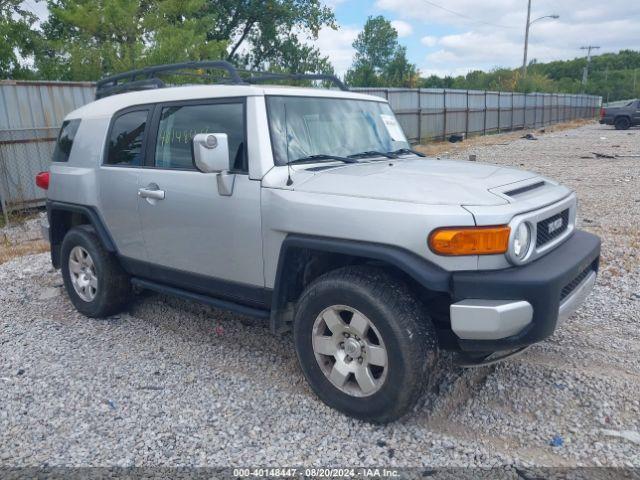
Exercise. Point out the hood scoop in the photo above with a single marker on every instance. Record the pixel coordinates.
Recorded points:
(524, 189)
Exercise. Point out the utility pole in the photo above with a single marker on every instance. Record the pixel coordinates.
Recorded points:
(526, 35)
(526, 41)
(585, 72)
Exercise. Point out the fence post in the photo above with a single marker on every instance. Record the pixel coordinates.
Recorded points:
(512, 110)
(444, 112)
(524, 115)
(499, 110)
(466, 123)
(419, 116)
(484, 124)
(3, 196)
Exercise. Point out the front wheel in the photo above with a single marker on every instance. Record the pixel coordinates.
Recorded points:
(364, 343)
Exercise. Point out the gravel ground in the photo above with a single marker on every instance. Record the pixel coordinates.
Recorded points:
(171, 383)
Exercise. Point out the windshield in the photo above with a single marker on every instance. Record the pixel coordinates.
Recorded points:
(305, 126)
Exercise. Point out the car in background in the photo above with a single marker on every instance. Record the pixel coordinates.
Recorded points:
(621, 117)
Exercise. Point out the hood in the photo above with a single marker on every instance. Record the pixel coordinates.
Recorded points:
(425, 181)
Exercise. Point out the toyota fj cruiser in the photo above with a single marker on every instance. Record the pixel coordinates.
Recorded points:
(308, 207)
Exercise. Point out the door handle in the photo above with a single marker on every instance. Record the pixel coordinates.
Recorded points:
(151, 193)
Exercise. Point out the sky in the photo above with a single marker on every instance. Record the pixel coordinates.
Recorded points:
(485, 34)
(481, 34)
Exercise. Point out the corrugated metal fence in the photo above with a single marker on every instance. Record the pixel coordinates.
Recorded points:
(429, 113)
(31, 114)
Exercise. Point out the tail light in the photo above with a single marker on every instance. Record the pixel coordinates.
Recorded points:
(602, 113)
(42, 180)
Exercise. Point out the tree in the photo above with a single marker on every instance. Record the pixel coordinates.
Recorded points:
(85, 39)
(399, 72)
(264, 34)
(614, 76)
(18, 38)
(379, 60)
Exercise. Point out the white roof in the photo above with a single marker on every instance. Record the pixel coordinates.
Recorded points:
(106, 107)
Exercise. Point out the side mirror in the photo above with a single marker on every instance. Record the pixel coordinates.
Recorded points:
(211, 152)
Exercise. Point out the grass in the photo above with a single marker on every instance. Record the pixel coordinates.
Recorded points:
(30, 247)
(10, 250)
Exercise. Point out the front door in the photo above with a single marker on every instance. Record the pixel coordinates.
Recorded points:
(195, 237)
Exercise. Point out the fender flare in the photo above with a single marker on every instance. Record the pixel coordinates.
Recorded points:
(90, 213)
(424, 272)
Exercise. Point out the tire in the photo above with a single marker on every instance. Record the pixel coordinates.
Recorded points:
(100, 290)
(393, 314)
(622, 123)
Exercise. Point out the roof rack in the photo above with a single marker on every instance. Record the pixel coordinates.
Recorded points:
(147, 78)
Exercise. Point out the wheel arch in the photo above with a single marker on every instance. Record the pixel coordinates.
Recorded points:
(64, 216)
(626, 116)
(303, 258)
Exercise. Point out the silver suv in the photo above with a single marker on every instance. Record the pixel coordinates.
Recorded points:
(307, 207)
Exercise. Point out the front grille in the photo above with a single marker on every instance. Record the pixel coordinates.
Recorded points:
(571, 286)
(544, 234)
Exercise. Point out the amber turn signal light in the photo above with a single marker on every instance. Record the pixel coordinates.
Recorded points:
(470, 240)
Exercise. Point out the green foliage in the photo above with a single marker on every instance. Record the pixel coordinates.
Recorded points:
(379, 60)
(274, 29)
(18, 38)
(611, 76)
(88, 39)
(85, 40)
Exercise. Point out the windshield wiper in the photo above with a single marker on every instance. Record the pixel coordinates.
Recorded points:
(321, 156)
(400, 151)
(373, 153)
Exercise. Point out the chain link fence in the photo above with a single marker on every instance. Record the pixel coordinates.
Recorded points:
(30, 116)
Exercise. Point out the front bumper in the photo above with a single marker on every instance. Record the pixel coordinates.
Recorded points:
(508, 309)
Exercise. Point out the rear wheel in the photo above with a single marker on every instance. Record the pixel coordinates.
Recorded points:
(364, 343)
(622, 123)
(93, 278)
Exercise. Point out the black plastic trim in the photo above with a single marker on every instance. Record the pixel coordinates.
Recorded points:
(188, 295)
(250, 295)
(113, 85)
(540, 283)
(427, 274)
(93, 216)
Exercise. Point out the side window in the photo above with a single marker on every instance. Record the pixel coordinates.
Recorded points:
(65, 140)
(179, 124)
(126, 139)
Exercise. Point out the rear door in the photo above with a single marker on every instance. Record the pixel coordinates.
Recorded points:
(123, 159)
(195, 237)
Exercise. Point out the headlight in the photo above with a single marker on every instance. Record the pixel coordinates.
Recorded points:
(521, 241)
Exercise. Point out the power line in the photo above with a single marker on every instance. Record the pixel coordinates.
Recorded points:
(462, 15)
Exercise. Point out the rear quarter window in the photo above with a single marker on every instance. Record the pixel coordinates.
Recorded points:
(126, 139)
(64, 143)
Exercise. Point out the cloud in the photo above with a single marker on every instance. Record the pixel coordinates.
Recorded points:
(490, 33)
(336, 44)
(403, 28)
(429, 41)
